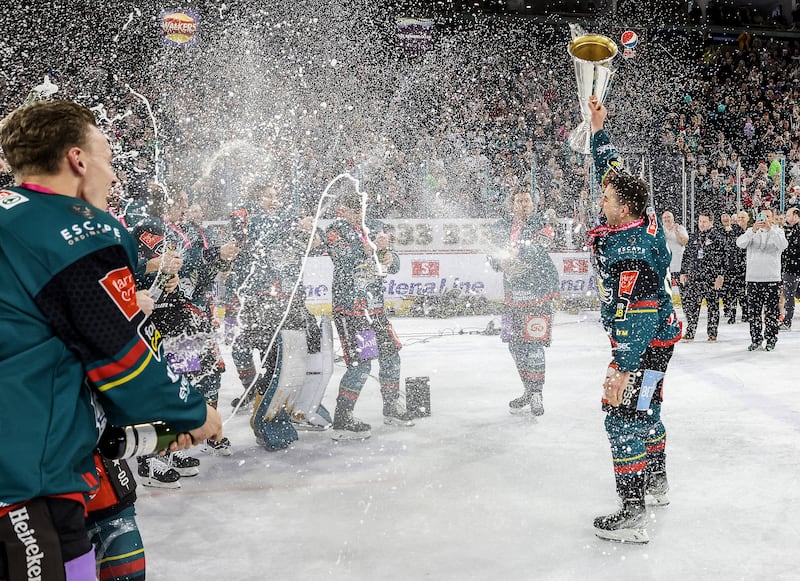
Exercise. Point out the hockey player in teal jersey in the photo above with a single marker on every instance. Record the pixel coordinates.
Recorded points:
(79, 352)
(284, 334)
(183, 316)
(359, 258)
(631, 257)
(530, 281)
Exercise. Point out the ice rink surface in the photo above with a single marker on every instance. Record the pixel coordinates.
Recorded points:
(473, 493)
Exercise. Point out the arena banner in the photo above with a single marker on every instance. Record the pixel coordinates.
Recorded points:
(420, 275)
(437, 236)
(442, 235)
(436, 274)
(439, 256)
(460, 234)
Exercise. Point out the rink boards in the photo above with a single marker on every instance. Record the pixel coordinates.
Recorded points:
(439, 256)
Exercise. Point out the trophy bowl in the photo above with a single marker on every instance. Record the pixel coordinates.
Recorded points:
(593, 48)
(592, 55)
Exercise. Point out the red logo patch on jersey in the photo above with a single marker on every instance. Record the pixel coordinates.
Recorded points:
(333, 237)
(121, 288)
(150, 240)
(627, 280)
(537, 328)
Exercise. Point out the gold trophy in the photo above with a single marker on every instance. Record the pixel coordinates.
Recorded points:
(592, 55)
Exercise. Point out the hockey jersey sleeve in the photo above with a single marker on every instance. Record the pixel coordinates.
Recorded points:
(605, 154)
(635, 287)
(91, 305)
(150, 242)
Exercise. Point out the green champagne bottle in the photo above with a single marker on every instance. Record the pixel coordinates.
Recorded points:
(137, 440)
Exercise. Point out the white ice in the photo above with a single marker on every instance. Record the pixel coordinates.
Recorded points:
(475, 493)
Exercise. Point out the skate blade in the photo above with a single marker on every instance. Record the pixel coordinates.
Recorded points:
(526, 411)
(656, 500)
(390, 421)
(632, 536)
(215, 451)
(344, 435)
(187, 472)
(246, 406)
(306, 427)
(153, 483)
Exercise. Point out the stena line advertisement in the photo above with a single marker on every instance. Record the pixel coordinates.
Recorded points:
(437, 256)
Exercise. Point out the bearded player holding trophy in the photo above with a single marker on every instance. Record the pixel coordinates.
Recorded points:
(631, 258)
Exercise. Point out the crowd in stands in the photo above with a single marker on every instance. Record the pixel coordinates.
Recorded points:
(737, 125)
(451, 132)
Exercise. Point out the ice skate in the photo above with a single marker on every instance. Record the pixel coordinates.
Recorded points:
(348, 427)
(183, 464)
(519, 406)
(394, 415)
(217, 447)
(153, 471)
(245, 404)
(627, 525)
(657, 489)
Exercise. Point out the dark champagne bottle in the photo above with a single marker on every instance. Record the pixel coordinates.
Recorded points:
(136, 440)
(157, 290)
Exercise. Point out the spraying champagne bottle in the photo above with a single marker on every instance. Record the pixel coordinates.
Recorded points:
(136, 440)
(157, 290)
(41, 91)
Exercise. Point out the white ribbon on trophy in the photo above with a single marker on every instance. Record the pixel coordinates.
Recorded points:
(592, 55)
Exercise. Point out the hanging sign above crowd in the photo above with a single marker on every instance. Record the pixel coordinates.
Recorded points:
(180, 27)
(415, 35)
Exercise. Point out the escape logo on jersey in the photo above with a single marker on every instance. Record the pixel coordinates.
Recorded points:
(424, 268)
(120, 286)
(10, 199)
(537, 328)
(150, 240)
(180, 27)
(627, 280)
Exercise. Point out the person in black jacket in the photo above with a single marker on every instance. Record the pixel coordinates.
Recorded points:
(791, 265)
(733, 288)
(702, 274)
